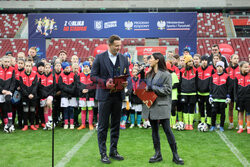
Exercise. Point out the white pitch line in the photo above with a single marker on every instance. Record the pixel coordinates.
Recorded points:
(76, 147)
(234, 150)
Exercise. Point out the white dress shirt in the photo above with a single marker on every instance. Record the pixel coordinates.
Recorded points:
(112, 57)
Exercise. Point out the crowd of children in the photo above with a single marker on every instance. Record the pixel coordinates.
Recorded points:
(40, 92)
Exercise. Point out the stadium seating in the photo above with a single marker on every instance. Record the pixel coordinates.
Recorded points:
(14, 45)
(10, 24)
(85, 47)
(210, 25)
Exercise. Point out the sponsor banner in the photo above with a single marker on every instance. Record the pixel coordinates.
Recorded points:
(241, 22)
(149, 50)
(182, 25)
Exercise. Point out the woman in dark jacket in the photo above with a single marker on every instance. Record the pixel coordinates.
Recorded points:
(159, 81)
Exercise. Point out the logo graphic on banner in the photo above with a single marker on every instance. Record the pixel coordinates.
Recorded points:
(98, 25)
(173, 25)
(110, 24)
(161, 25)
(128, 25)
(45, 24)
(137, 25)
(74, 25)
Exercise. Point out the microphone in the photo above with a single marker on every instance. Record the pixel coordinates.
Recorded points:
(147, 65)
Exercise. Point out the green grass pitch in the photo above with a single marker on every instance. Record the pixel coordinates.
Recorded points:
(33, 148)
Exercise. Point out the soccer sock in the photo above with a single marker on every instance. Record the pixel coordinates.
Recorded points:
(10, 118)
(71, 121)
(66, 122)
(180, 116)
(132, 118)
(50, 114)
(209, 120)
(25, 118)
(138, 119)
(202, 119)
(124, 119)
(83, 116)
(218, 119)
(91, 117)
(45, 117)
(248, 124)
(185, 115)
(32, 118)
(231, 120)
(173, 120)
(240, 124)
(191, 119)
(5, 120)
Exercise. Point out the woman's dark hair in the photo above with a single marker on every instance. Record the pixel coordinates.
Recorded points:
(161, 63)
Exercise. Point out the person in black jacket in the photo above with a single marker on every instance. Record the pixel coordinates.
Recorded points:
(136, 102)
(46, 91)
(219, 94)
(57, 98)
(28, 85)
(242, 95)
(7, 86)
(216, 51)
(67, 85)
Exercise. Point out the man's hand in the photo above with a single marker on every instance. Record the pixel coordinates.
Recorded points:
(8, 93)
(110, 84)
(31, 96)
(58, 93)
(124, 84)
(4, 92)
(85, 91)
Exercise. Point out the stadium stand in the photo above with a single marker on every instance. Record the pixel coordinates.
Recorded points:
(210, 30)
(10, 24)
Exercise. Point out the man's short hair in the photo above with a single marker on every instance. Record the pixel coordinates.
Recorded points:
(176, 56)
(113, 38)
(215, 45)
(33, 48)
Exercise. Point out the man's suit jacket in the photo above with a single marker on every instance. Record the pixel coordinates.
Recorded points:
(101, 71)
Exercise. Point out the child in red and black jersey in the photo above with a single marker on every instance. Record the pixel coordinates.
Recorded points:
(17, 105)
(219, 94)
(67, 85)
(232, 70)
(46, 91)
(204, 73)
(28, 85)
(7, 86)
(86, 90)
(242, 95)
(188, 90)
(197, 61)
(57, 98)
(39, 109)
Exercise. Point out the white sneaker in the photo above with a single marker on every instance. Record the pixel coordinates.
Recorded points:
(145, 124)
(65, 126)
(174, 126)
(132, 126)
(149, 125)
(72, 127)
(231, 126)
(139, 126)
(96, 126)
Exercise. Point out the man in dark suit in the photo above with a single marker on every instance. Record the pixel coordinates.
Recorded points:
(105, 67)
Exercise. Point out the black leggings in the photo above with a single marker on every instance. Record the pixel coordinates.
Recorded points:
(201, 102)
(218, 108)
(29, 111)
(155, 132)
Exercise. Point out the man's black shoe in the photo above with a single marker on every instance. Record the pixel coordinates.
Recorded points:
(105, 159)
(115, 155)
